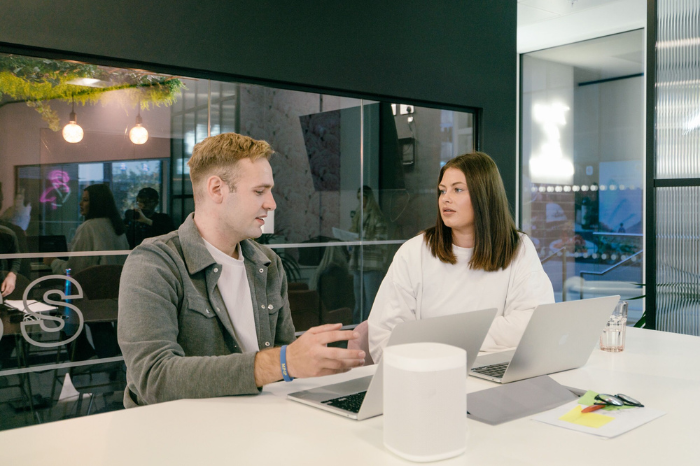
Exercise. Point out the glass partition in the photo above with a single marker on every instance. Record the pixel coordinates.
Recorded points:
(677, 167)
(94, 160)
(582, 164)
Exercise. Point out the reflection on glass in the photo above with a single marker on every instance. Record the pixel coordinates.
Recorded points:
(367, 263)
(582, 159)
(143, 221)
(320, 283)
(404, 149)
(103, 230)
(353, 180)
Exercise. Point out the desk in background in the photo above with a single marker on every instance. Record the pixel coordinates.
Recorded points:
(660, 369)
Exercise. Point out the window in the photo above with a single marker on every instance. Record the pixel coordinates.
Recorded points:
(335, 159)
(582, 158)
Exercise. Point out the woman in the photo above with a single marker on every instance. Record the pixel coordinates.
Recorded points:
(368, 270)
(103, 230)
(473, 258)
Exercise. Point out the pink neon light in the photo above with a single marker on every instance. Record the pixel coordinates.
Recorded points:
(59, 186)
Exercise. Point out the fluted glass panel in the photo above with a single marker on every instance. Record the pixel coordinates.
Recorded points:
(678, 89)
(678, 260)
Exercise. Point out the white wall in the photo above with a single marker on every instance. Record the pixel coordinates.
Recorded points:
(27, 140)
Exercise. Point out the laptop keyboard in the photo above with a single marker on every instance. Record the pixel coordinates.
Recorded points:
(350, 403)
(493, 370)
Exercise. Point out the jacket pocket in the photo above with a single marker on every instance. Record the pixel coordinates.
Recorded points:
(201, 306)
(274, 305)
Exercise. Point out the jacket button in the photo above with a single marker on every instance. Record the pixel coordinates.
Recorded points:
(262, 306)
(207, 311)
(218, 310)
(270, 306)
(261, 270)
(216, 270)
(267, 343)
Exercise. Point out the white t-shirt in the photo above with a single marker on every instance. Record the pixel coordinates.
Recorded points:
(235, 291)
(419, 286)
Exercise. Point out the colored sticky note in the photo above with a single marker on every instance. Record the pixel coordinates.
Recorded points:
(593, 420)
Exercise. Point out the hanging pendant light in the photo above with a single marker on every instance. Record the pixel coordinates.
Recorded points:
(138, 134)
(72, 132)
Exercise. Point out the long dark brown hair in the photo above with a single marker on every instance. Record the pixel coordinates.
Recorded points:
(102, 206)
(496, 238)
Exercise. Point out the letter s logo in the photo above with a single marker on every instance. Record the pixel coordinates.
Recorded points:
(40, 318)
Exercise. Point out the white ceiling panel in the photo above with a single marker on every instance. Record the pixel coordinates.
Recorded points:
(587, 19)
(529, 15)
(565, 7)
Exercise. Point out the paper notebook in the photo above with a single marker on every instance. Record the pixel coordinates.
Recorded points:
(608, 422)
(34, 306)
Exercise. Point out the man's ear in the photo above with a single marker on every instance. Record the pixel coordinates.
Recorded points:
(215, 187)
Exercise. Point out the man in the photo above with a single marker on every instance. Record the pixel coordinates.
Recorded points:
(21, 240)
(144, 222)
(203, 310)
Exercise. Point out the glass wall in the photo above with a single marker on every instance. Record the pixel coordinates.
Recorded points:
(582, 162)
(89, 151)
(677, 175)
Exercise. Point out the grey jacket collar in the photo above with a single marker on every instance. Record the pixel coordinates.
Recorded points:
(197, 256)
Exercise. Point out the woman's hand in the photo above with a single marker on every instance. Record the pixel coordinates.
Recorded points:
(49, 260)
(8, 285)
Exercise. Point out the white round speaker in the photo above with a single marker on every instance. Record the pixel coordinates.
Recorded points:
(425, 401)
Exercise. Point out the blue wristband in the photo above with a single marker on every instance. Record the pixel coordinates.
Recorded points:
(283, 364)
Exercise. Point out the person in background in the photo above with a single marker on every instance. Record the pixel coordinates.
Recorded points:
(143, 221)
(18, 213)
(21, 241)
(473, 258)
(367, 270)
(8, 245)
(203, 311)
(8, 267)
(103, 230)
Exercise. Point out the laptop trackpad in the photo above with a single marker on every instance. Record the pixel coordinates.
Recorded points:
(329, 392)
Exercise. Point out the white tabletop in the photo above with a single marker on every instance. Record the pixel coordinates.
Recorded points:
(660, 369)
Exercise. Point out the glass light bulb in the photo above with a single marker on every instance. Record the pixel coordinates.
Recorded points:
(138, 134)
(72, 132)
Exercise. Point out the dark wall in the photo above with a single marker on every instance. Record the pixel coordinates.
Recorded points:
(451, 52)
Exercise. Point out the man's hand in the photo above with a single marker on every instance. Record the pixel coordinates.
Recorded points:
(142, 218)
(8, 285)
(309, 356)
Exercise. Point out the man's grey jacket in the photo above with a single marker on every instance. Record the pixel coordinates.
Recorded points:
(174, 329)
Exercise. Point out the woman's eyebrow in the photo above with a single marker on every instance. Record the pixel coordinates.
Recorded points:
(453, 184)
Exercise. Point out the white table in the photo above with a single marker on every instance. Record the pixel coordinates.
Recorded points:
(660, 369)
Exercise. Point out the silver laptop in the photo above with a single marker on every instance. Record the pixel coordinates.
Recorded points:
(559, 337)
(362, 398)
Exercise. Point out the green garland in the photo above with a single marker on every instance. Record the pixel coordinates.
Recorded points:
(36, 81)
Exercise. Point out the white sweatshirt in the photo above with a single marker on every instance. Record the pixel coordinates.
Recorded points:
(419, 286)
(95, 234)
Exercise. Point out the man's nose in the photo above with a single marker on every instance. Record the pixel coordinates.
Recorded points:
(270, 203)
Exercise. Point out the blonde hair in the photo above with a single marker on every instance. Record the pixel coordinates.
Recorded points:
(218, 155)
